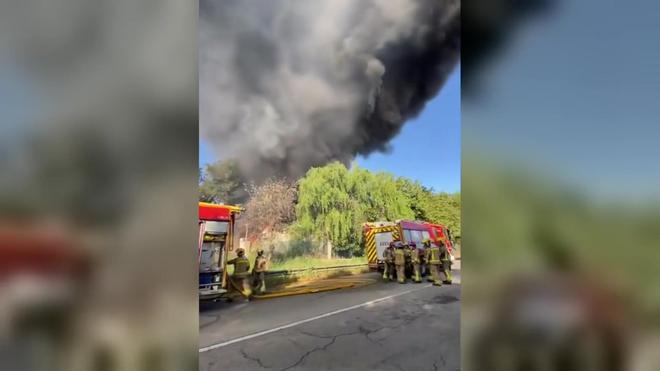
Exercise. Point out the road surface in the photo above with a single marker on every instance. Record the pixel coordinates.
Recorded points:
(384, 326)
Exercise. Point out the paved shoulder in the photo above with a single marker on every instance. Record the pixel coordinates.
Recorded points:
(413, 327)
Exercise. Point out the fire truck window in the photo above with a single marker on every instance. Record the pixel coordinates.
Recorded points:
(426, 235)
(416, 236)
(406, 235)
(213, 227)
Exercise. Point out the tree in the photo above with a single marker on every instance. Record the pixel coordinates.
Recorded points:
(222, 182)
(326, 211)
(445, 208)
(419, 197)
(270, 207)
(334, 202)
(442, 208)
(379, 196)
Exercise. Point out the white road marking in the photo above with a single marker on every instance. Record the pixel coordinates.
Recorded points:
(261, 333)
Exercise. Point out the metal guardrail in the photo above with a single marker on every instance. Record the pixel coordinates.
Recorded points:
(313, 269)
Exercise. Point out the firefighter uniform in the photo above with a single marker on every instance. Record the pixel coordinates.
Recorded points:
(426, 267)
(400, 263)
(415, 261)
(388, 263)
(433, 261)
(259, 272)
(241, 276)
(446, 263)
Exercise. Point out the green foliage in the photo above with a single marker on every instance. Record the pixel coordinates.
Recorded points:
(221, 182)
(442, 208)
(331, 204)
(445, 208)
(379, 196)
(418, 197)
(334, 202)
(302, 262)
(326, 211)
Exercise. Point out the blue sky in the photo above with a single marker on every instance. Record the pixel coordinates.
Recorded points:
(428, 149)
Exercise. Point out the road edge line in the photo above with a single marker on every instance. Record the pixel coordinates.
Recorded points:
(292, 324)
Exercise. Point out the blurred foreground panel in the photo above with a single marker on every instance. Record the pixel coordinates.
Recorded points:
(560, 186)
(98, 144)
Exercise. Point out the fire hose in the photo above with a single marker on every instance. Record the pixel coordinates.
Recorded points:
(310, 287)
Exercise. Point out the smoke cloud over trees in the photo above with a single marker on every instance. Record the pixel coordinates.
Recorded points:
(288, 85)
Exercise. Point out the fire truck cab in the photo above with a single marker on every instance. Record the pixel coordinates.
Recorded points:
(378, 235)
(216, 231)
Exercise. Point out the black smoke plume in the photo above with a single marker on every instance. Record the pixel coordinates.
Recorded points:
(286, 85)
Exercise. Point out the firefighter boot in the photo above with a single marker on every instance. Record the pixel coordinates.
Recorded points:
(401, 273)
(262, 283)
(446, 270)
(417, 277)
(436, 275)
(391, 271)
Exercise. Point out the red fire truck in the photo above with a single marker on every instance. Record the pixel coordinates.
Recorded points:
(378, 235)
(43, 274)
(216, 231)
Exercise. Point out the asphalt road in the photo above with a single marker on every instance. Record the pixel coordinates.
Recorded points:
(384, 326)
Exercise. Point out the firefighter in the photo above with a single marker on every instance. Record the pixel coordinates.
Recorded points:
(422, 257)
(425, 260)
(415, 261)
(259, 272)
(445, 258)
(241, 276)
(400, 262)
(433, 261)
(406, 252)
(388, 262)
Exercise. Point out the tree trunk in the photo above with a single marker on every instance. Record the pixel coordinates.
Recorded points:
(329, 249)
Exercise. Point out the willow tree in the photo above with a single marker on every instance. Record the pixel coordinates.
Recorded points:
(326, 209)
(379, 196)
(334, 202)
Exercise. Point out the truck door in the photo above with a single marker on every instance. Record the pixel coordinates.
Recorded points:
(376, 241)
(383, 240)
(212, 256)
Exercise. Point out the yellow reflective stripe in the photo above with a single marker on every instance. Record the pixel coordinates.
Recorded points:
(371, 247)
(370, 240)
(434, 252)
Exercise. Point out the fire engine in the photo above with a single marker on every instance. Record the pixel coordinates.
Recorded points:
(378, 235)
(216, 232)
(43, 274)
